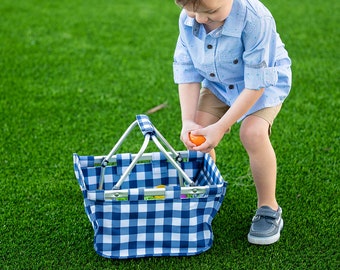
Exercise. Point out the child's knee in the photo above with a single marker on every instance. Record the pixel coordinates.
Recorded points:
(254, 133)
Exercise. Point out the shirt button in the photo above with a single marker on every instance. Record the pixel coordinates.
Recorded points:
(231, 87)
(212, 74)
(235, 61)
(209, 46)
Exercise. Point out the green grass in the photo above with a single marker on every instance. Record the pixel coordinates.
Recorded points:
(73, 76)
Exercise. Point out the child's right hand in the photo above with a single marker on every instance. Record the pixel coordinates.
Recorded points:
(187, 127)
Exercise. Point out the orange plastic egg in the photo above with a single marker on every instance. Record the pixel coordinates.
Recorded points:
(196, 139)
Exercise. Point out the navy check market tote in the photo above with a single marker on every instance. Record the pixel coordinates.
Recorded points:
(150, 204)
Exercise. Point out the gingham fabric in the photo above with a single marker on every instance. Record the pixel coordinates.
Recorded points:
(141, 228)
(145, 124)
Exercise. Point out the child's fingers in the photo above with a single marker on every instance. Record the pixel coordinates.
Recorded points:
(205, 147)
(188, 144)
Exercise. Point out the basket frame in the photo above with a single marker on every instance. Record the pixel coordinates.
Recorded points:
(205, 199)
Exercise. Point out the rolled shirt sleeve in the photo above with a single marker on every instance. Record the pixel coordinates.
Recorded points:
(259, 56)
(260, 77)
(183, 67)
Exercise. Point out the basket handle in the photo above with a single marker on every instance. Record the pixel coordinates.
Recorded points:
(148, 128)
(145, 125)
(149, 132)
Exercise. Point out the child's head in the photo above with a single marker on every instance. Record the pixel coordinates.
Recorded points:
(211, 13)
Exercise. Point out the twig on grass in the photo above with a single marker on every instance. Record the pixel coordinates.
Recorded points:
(157, 108)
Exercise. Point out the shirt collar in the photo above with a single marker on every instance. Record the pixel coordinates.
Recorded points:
(197, 30)
(233, 25)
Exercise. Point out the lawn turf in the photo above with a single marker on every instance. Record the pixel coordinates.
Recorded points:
(73, 76)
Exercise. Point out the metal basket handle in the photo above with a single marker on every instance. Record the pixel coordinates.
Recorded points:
(149, 132)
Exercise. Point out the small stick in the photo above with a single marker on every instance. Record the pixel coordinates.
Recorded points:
(157, 108)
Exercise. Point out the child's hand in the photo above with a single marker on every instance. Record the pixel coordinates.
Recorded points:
(188, 127)
(213, 135)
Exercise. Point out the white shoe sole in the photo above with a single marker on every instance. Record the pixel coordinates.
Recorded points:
(266, 240)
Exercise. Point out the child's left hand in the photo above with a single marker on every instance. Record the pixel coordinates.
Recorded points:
(213, 135)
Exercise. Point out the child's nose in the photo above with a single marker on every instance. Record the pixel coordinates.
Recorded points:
(201, 18)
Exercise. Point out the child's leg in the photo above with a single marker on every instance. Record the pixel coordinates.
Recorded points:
(210, 110)
(255, 138)
(255, 130)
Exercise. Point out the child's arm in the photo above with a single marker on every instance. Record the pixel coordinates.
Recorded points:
(242, 104)
(188, 96)
(214, 133)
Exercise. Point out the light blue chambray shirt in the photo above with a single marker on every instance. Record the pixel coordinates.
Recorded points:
(246, 52)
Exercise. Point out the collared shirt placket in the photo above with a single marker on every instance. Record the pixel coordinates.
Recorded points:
(212, 68)
(210, 58)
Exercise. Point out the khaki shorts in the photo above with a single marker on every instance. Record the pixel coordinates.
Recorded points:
(209, 103)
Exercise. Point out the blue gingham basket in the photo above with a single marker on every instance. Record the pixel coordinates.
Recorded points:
(150, 204)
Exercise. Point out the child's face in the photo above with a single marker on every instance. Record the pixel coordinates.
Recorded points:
(211, 13)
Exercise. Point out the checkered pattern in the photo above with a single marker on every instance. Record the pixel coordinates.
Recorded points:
(145, 124)
(140, 228)
(156, 172)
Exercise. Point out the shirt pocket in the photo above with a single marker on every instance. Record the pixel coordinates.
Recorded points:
(230, 65)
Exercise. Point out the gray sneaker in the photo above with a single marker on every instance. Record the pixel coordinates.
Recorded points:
(266, 226)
